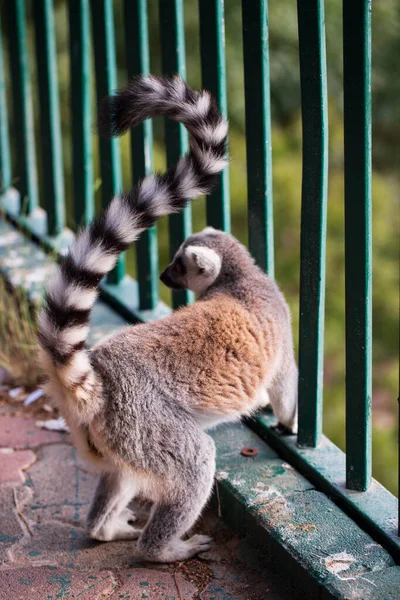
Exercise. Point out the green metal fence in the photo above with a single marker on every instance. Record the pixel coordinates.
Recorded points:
(93, 66)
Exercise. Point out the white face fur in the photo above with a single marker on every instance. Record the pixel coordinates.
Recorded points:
(202, 267)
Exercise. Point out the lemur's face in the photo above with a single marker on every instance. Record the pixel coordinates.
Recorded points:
(196, 265)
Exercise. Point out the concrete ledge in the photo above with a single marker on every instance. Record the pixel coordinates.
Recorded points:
(375, 510)
(323, 551)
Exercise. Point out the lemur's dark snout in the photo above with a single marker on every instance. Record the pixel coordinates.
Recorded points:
(167, 280)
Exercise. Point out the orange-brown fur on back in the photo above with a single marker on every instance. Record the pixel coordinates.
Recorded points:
(213, 353)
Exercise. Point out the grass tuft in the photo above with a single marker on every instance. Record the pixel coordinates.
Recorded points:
(18, 343)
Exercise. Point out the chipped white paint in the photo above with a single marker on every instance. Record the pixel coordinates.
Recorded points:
(337, 563)
(15, 280)
(39, 275)
(239, 482)
(259, 485)
(265, 495)
(221, 475)
(9, 238)
(11, 262)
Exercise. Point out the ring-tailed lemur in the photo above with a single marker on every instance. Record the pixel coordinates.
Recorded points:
(138, 402)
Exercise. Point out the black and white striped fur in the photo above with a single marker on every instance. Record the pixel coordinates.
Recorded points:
(64, 320)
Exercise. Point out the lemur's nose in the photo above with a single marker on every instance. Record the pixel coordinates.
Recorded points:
(165, 278)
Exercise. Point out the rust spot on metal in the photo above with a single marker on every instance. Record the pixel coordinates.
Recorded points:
(249, 452)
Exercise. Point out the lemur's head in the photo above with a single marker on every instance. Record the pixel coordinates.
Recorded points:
(201, 260)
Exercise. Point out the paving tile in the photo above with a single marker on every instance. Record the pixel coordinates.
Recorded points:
(154, 584)
(10, 525)
(21, 433)
(12, 465)
(67, 546)
(237, 578)
(62, 490)
(48, 583)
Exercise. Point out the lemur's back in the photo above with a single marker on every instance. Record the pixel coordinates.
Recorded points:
(209, 357)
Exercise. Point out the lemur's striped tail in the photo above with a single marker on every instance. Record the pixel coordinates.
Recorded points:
(64, 320)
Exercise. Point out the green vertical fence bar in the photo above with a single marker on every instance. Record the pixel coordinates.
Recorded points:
(50, 128)
(138, 61)
(258, 132)
(106, 82)
(173, 61)
(81, 111)
(213, 70)
(358, 247)
(311, 23)
(26, 173)
(5, 157)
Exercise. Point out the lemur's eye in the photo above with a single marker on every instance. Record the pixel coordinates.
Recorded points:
(178, 268)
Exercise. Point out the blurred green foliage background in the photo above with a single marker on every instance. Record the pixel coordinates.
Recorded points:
(286, 120)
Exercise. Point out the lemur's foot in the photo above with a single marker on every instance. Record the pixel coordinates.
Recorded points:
(284, 429)
(118, 528)
(128, 515)
(182, 549)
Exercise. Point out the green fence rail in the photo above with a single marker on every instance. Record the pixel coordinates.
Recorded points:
(93, 73)
(313, 218)
(177, 143)
(358, 259)
(106, 82)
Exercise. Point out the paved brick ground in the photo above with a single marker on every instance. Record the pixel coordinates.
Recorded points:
(45, 491)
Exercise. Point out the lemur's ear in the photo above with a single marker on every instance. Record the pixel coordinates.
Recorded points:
(205, 259)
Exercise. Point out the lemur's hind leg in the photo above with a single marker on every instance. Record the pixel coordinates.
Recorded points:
(283, 397)
(108, 517)
(174, 515)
